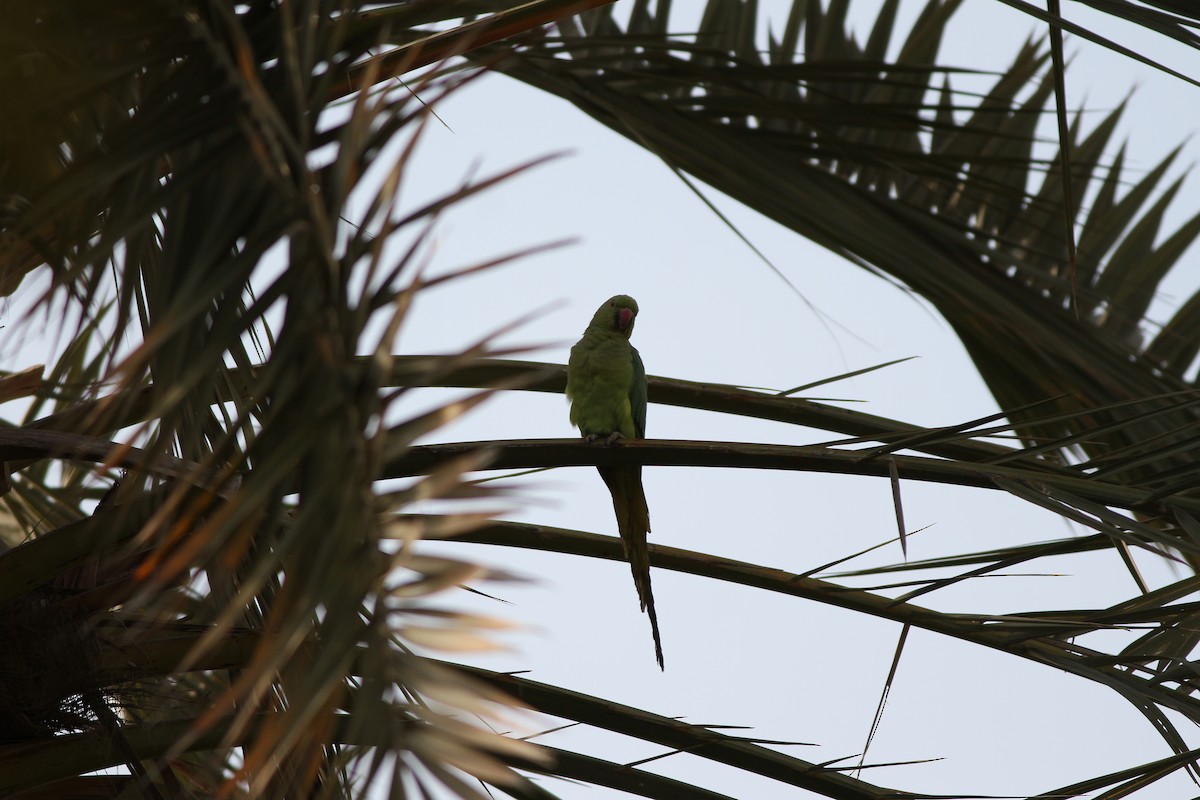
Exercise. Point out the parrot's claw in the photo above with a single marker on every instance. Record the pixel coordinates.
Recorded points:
(612, 440)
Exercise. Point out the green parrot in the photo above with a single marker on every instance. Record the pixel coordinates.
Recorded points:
(606, 384)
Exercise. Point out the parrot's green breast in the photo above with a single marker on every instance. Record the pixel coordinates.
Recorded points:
(600, 378)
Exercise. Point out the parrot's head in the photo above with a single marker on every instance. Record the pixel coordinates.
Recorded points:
(617, 314)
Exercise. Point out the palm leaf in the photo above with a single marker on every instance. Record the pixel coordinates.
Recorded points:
(1167, 17)
(154, 156)
(957, 206)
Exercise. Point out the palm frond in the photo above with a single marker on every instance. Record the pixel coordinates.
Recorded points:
(1166, 17)
(839, 143)
(183, 175)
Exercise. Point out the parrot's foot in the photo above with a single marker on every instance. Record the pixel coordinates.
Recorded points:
(612, 440)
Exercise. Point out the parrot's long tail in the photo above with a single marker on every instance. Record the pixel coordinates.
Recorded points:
(633, 522)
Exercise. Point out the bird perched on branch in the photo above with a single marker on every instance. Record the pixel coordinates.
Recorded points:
(606, 384)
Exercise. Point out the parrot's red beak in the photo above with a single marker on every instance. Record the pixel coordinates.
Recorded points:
(624, 318)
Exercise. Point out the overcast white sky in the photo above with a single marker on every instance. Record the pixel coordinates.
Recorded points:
(711, 311)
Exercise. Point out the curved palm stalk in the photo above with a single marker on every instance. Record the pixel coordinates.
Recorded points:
(477, 373)
(839, 143)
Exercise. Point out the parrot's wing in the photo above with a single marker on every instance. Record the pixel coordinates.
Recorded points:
(637, 395)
